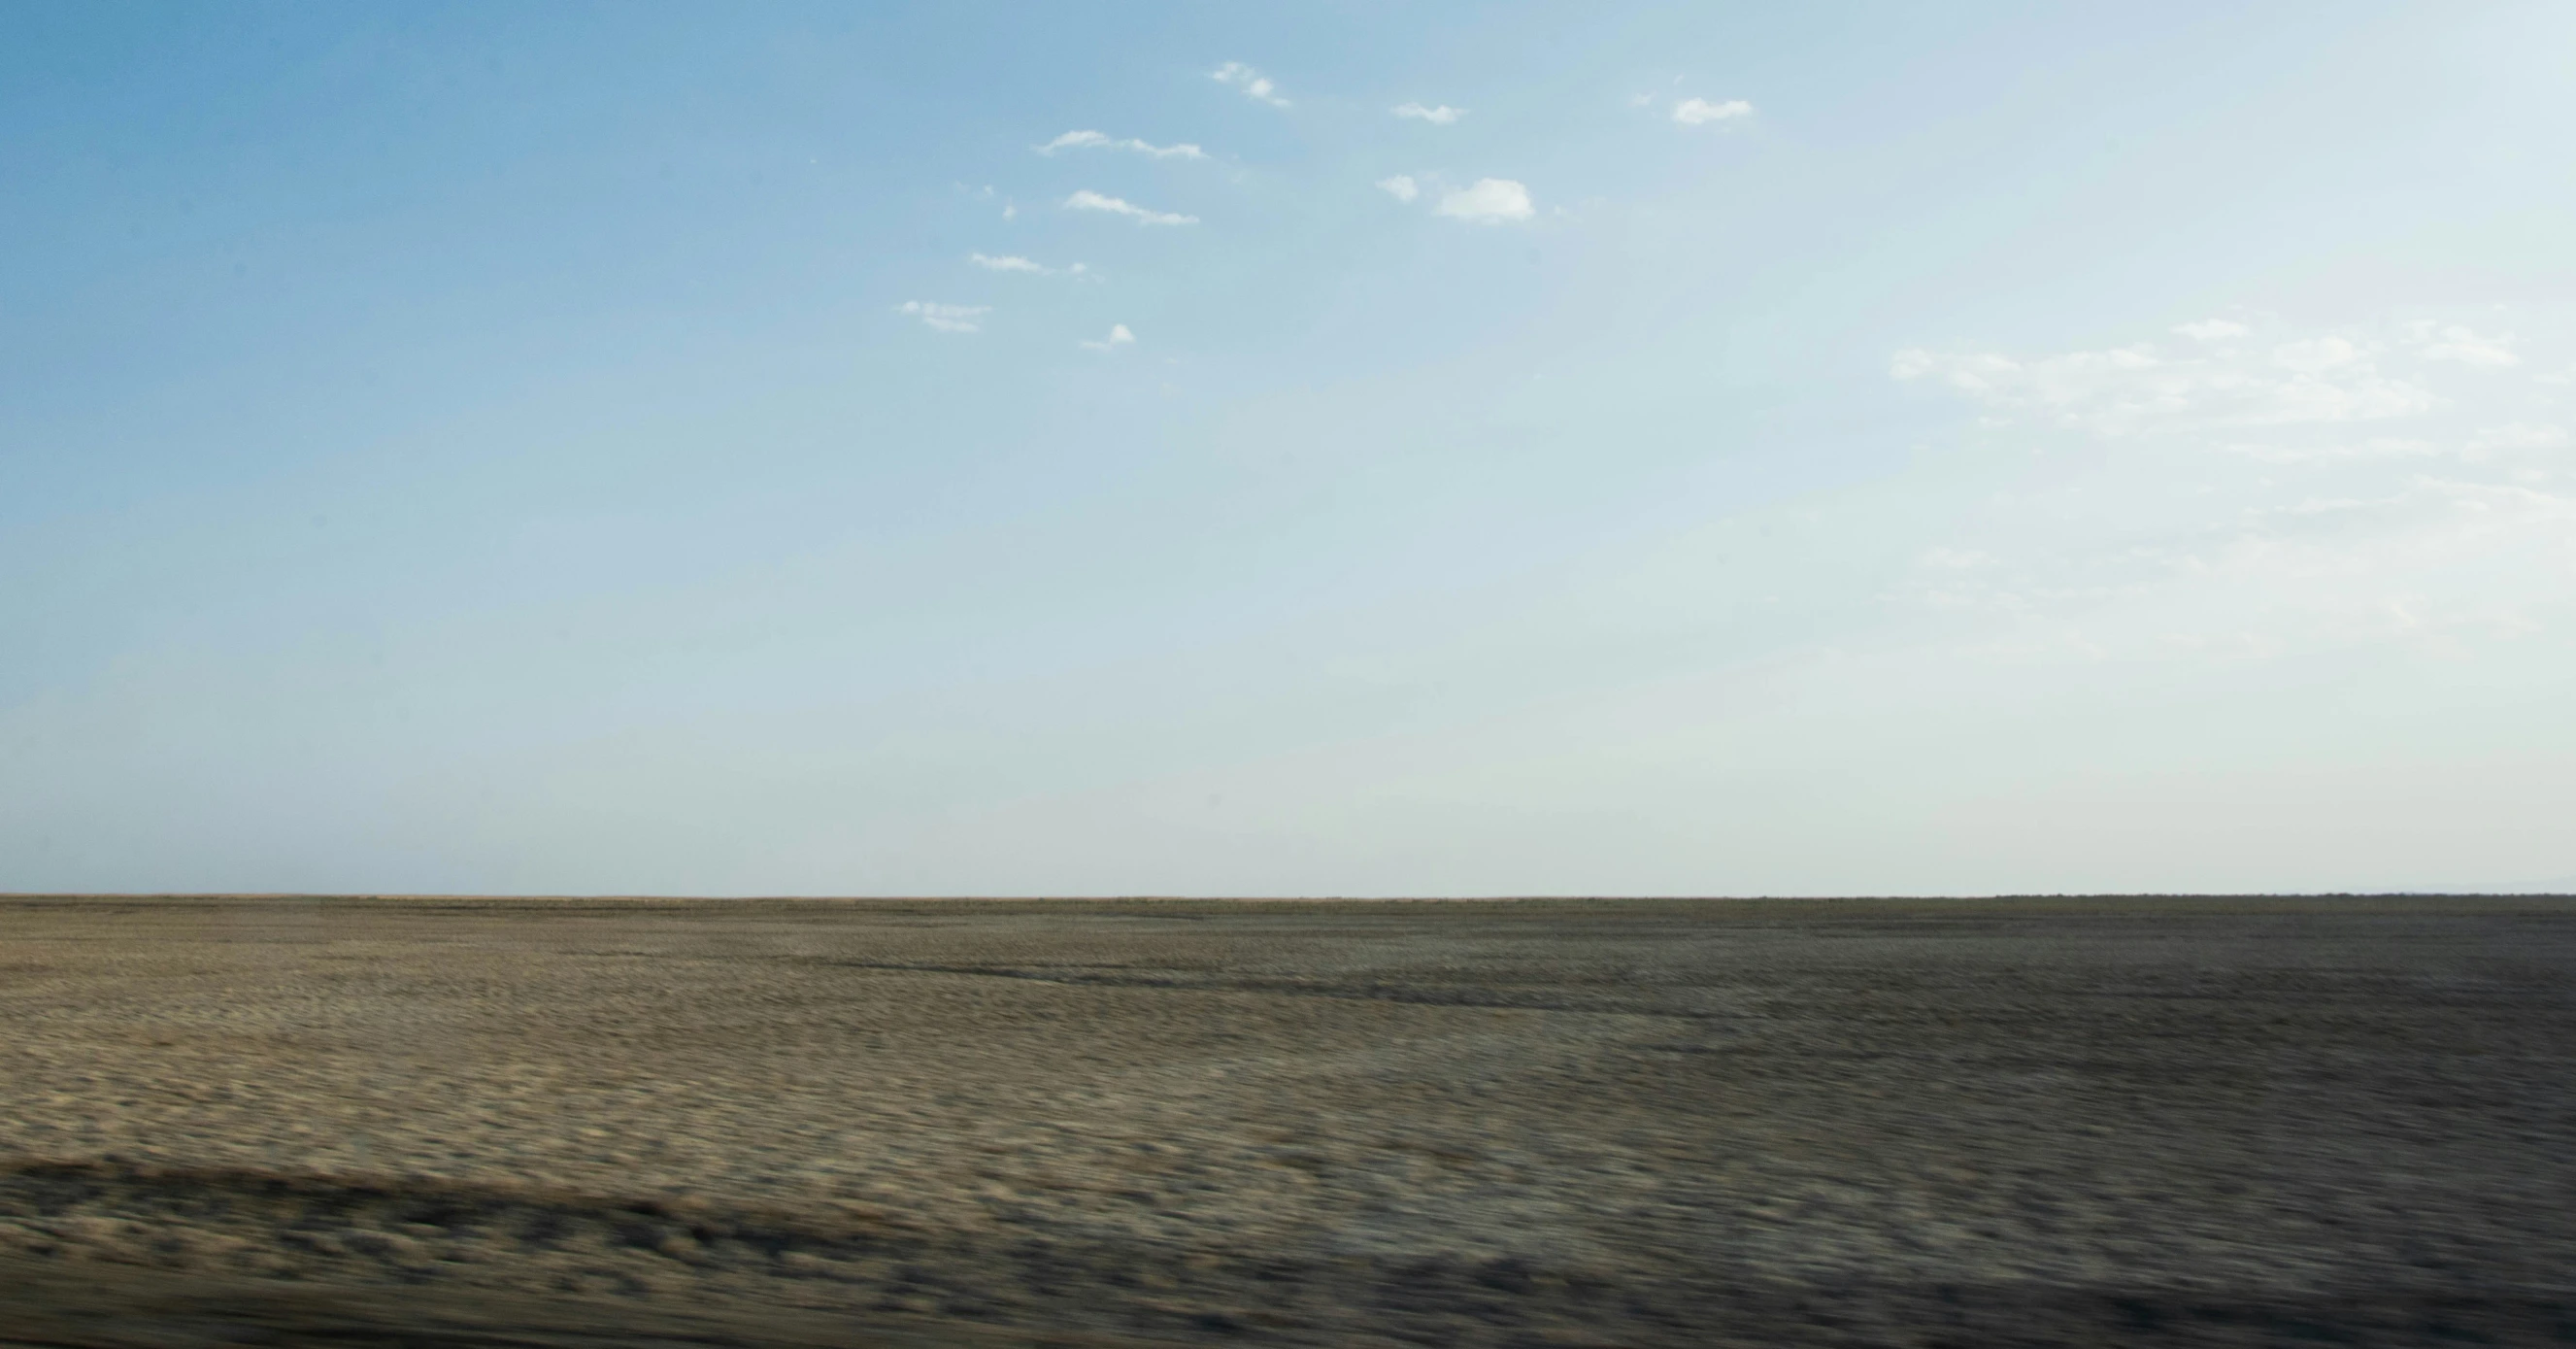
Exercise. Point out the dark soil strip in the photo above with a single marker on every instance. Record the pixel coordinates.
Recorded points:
(1417, 994)
(435, 1265)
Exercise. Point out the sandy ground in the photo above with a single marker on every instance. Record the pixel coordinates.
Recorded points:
(538, 1123)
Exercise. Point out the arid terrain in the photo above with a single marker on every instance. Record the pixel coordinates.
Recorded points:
(531, 1123)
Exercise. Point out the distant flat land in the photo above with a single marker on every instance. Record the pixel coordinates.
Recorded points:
(434, 1123)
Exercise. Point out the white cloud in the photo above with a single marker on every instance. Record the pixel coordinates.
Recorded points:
(1641, 100)
(2212, 330)
(2316, 355)
(2455, 343)
(947, 318)
(2256, 507)
(1087, 200)
(1401, 187)
(2340, 452)
(1016, 263)
(1491, 201)
(1441, 115)
(2131, 390)
(1253, 83)
(1093, 140)
(1700, 112)
(2520, 436)
(1118, 337)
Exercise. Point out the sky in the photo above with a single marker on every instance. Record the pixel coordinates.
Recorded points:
(1334, 449)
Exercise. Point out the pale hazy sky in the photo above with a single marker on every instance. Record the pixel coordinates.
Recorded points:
(1287, 449)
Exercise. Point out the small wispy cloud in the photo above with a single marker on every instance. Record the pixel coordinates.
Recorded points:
(1088, 200)
(1442, 115)
(986, 193)
(1401, 187)
(947, 318)
(1012, 262)
(1701, 112)
(1255, 85)
(1490, 201)
(1118, 337)
(1095, 140)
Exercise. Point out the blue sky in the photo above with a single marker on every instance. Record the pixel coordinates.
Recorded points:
(1695, 449)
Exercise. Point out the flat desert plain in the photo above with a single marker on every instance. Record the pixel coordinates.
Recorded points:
(301, 1122)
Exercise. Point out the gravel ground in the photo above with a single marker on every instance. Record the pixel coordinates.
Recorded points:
(536, 1123)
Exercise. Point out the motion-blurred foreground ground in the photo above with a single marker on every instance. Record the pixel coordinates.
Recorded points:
(544, 1123)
